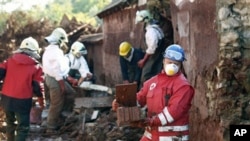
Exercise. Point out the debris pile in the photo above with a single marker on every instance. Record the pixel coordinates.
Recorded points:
(16, 30)
(87, 122)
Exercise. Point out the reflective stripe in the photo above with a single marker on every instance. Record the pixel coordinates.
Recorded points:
(171, 138)
(162, 119)
(173, 128)
(166, 138)
(168, 116)
(185, 138)
(148, 135)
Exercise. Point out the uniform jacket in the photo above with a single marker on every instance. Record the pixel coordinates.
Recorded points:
(55, 63)
(131, 66)
(171, 95)
(79, 64)
(22, 77)
(152, 36)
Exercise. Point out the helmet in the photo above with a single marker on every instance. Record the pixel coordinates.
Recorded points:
(124, 48)
(78, 49)
(143, 16)
(174, 52)
(57, 36)
(30, 43)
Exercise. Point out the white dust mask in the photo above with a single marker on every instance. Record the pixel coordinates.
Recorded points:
(171, 69)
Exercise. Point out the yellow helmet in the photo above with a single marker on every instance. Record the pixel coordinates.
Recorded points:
(124, 48)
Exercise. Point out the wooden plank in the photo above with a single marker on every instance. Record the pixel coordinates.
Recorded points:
(126, 94)
(93, 102)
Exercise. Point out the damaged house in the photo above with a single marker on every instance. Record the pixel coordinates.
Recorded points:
(215, 36)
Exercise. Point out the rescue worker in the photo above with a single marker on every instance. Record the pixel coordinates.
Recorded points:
(168, 97)
(56, 68)
(22, 77)
(129, 57)
(79, 74)
(154, 38)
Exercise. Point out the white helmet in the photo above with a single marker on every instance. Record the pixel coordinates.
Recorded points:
(57, 36)
(78, 49)
(29, 46)
(143, 16)
(30, 43)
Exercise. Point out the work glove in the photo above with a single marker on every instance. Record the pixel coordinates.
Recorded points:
(115, 105)
(62, 85)
(72, 81)
(153, 121)
(40, 101)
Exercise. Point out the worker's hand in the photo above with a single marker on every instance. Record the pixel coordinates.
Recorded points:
(115, 105)
(125, 82)
(62, 86)
(89, 76)
(81, 79)
(141, 63)
(135, 82)
(72, 81)
(153, 121)
(40, 101)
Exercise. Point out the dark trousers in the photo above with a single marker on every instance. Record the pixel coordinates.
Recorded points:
(21, 128)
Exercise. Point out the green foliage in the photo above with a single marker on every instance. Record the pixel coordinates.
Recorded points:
(3, 19)
(55, 11)
(83, 10)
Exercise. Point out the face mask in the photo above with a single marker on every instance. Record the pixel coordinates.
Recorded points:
(78, 55)
(171, 69)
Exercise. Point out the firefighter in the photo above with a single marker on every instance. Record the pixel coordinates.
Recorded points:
(79, 74)
(154, 38)
(56, 68)
(129, 58)
(22, 76)
(168, 97)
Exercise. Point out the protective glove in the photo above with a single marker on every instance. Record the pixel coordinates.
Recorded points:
(153, 121)
(115, 105)
(72, 81)
(40, 101)
(62, 85)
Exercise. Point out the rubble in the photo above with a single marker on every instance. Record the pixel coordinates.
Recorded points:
(92, 118)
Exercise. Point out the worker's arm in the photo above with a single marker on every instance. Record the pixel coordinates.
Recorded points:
(142, 62)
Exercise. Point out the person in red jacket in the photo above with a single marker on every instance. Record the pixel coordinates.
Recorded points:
(22, 77)
(168, 96)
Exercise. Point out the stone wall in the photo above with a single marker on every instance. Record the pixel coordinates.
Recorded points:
(215, 35)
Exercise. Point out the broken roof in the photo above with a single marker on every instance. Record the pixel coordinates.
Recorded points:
(114, 6)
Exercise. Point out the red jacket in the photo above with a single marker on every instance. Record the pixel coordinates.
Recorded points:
(171, 95)
(22, 75)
